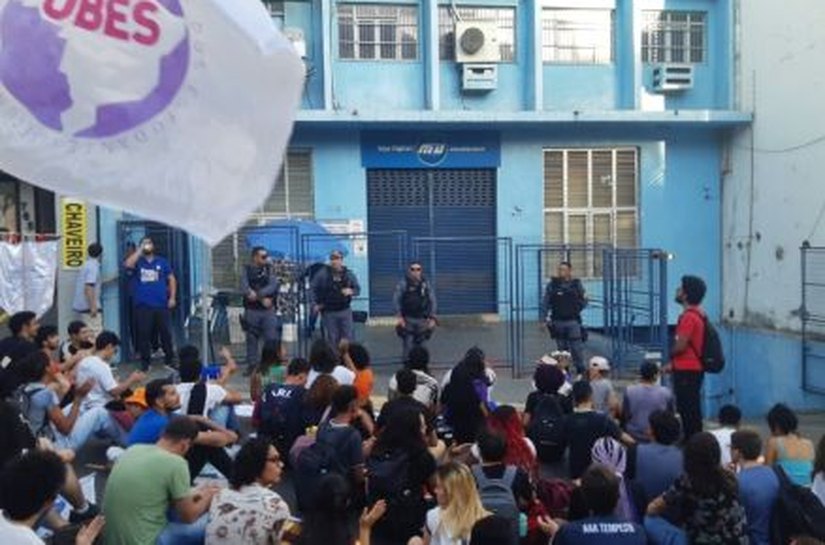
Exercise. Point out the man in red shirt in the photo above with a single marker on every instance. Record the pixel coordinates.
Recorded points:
(686, 355)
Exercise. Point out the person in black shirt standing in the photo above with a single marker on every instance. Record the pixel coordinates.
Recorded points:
(334, 286)
(415, 307)
(260, 288)
(564, 300)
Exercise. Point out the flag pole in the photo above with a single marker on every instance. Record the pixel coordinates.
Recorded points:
(205, 276)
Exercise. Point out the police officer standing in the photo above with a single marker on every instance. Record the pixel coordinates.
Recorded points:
(564, 300)
(334, 286)
(415, 307)
(260, 288)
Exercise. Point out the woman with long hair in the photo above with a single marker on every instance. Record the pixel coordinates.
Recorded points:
(705, 499)
(399, 469)
(318, 399)
(466, 396)
(270, 370)
(248, 511)
(325, 361)
(459, 507)
(786, 448)
(520, 450)
(818, 473)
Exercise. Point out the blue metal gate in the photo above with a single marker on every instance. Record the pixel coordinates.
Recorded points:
(428, 203)
(813, 318)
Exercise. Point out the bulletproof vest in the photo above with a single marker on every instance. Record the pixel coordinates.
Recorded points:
(415, 300)
(565, 299)
(333, 299)
(258, 278)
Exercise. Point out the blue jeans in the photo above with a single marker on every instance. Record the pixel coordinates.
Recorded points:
(337, 325)
(225, 416)
(179, 533)
(661, 532)
(94, 422)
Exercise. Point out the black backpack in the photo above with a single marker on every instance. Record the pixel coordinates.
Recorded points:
(21, 401)
(797, 512)
(712, 356)
(546, 430)
(313, 463)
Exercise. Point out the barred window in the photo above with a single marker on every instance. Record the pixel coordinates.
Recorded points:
(590, 198)
(505, 19)
(583, 36)
(377, 32)
(276, 11)
(674, 36)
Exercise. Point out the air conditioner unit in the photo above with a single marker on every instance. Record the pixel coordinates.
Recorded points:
(672, 78)
(296, 37)
(479, 77)
(476, 42)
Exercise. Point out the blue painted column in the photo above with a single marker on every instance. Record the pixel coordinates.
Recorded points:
(429, 50)
(326, 51)
(534, 60)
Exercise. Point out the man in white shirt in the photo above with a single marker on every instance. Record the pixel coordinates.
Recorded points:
(86, 302)
(96, 367)
(729, 419)
(29, 486)
(210, 397)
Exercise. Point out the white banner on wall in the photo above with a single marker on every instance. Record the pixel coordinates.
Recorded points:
(28, 271)
(174, 110)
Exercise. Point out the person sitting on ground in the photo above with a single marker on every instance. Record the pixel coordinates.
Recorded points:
(521, 452)
(459, 507)
(80, 343)
(13, 349)
(704, 501)
(786, 448)
(96, 367)
(493, 473)
(426, 386)
(399, 470)
(208, 446)
(643, 399)
(492, 530)
(580, 430)
(611, 454)
(29, 485)
(249, 512)
(658, 464)
(199, 397)
(818, 472)
(150, 480)
(48, 341)
(758, 485)
(318, 399)
(339, 431)
(271, 369)
(279, 414)
(466, 397)
(324, 361)
(604, 397)
(364, 378)
(406, 382)
(135, 406)
(729, 418)
(69, 428)
(600, 488)
(328, 521)
(544, 411)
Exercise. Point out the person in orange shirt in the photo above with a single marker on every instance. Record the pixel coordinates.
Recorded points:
(364, 378)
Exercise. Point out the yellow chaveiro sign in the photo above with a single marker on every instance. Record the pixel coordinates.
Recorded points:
(73, 231)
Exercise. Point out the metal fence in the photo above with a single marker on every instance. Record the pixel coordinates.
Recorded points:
(813, 318)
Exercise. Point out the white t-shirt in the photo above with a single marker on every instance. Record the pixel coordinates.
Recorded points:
(426, 388)
(97, 369)
(89, 275)
(723, 436)
(818, 487)
(12, 533)
(344, 376)
(438, 533)
(215, 394)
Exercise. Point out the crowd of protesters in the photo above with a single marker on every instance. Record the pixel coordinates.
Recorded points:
(443, 462)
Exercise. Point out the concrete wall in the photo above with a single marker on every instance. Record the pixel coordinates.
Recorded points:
(773, 199)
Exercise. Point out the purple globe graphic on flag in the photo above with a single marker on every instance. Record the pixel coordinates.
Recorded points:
(93, 69)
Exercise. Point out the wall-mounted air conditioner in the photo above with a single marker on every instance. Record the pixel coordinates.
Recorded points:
(296, 37)
(476, 42)
(672, 78)
(479, 77)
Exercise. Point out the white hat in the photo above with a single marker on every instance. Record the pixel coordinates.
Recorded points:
(599, 363)
(561, 354)
(548, 360)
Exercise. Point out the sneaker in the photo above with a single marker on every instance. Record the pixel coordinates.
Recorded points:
(91, 512)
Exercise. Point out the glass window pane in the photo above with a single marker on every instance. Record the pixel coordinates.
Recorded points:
(577, 179)
(626, 172)
(554, 228)
(626, 229)
(577, 36)
(602, 179)
(577, 236)
(673, 36)
(553, 179)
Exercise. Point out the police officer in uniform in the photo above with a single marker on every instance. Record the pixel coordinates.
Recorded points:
(334, 286)
(260, 287)
(415, 307)
(564, 300)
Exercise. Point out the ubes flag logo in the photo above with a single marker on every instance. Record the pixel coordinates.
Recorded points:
(178, 110)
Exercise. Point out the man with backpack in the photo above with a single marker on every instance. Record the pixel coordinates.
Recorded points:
(338, 448)
(544, 413)
(415, 307)
(280, 411)
(504, 489)
(686, 354)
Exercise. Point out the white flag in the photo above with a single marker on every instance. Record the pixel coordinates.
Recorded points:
(175, 110)
(27, 276)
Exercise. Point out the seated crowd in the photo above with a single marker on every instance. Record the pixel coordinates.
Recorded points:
(441, 462)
